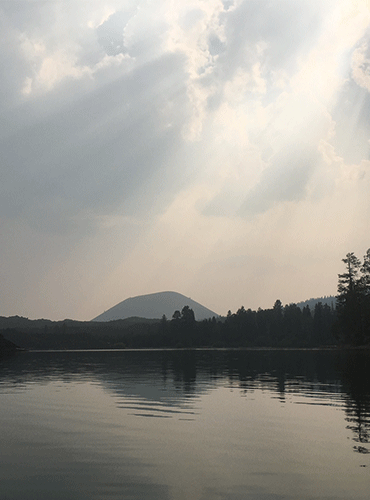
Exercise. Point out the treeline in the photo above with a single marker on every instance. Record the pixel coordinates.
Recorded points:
(69, 334)
(281, 326)
(288, 326)
(347, 324)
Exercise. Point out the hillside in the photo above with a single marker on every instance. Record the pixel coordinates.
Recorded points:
(155, 305)
(328, 300)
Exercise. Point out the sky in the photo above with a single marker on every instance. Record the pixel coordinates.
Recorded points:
(216, 148)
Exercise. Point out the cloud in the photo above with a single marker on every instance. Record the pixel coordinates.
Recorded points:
(110, 33)
(361, 66)
(156, 132)
(289, 99)
(285, 179)
(97, 153)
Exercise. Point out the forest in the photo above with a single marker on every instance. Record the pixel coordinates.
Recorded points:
(290, 326)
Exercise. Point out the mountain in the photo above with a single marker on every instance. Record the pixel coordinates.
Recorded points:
(155, 305)
(328, 300)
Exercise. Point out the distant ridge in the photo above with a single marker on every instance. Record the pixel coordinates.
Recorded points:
(328, 300)
(154, 306)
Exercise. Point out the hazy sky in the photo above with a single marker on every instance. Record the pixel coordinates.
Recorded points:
(219, 149)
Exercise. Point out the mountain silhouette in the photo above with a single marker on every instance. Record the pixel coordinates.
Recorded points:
(153, 306)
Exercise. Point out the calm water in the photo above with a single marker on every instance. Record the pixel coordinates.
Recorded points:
(256, 425)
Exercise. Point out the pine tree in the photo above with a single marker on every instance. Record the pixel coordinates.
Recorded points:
(365, 303)
(365, 271)
(349, 298)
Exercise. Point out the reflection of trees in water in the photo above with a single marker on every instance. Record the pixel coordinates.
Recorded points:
(284, 371)
(359, 423)
(186, 369)
(336, 375)
(182, 367)
(356, 386)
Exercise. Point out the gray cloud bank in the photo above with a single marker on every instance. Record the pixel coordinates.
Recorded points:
(94, 145)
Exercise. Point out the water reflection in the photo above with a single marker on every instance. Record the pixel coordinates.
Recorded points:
(356, 379)
(166, 384)
(184, 424)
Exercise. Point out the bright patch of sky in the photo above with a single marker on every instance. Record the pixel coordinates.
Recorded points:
(219, 149)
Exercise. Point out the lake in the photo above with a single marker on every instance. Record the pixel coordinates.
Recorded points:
(176, 425)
